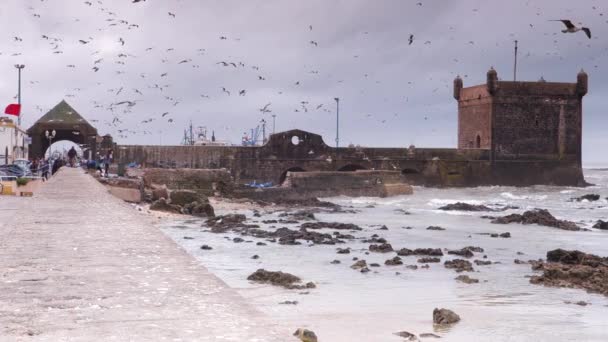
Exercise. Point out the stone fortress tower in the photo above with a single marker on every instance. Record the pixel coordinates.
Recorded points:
(522, 120)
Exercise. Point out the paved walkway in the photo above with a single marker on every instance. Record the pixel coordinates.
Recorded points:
(77, 264)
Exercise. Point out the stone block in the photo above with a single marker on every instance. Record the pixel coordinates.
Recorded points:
(126, 194)
(184, 197)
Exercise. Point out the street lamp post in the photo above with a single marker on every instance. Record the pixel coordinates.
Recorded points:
(50, 136)
(337, 99)
(263, 122)
(19, 68)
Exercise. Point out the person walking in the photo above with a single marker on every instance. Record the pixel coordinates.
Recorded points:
(72, 156)
(107, 162)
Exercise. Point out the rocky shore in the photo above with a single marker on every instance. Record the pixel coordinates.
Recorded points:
(404, 246)
(573, 269)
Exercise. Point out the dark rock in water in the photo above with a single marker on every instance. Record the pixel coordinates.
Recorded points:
(464, 252)
(573, 269)
(308, 202)
(206, 248)
(588, 197)
(394, 261)
(221, 224)
(270, 221)
(335, 262)
(502, 235)
(429, 335)
(305, 335)
(237, 240)
(289, 302)
(445, 316)
(407, 335)
(375, 239)
(364, 270)
(359, 265)
(402, 211)
(162, 205)
(482, 262)
(287, 236)
(374, 264)
(539, 216)
(260, 244)
(434, 228)
(601, 225)
(428, 260)
(580, 303)
(383, 228)
(459, 265)
(305, 214)
(188, 238)
(286, 280)
(382, 248)
(460, 206)
(330, 225)
(339, 235)
(343, 250)
(412, 267)
(575, 258)
(420, 251)
(229, 218)
(519, 262)
(466, 279)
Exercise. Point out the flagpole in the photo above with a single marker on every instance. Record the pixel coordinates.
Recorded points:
(19, 67)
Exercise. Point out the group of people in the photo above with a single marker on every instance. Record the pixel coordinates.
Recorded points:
(43, 167)
(102, 164)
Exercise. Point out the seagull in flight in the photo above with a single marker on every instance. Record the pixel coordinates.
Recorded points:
(571, 28)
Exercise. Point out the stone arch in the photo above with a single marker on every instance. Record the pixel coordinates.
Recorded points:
(67, 124)
(291, 169)
(412, 176)
(352, 167)
(410, 171)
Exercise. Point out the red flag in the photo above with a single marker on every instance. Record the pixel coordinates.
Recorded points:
(13, 109)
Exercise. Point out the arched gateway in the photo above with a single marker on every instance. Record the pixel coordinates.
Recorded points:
(68, 125)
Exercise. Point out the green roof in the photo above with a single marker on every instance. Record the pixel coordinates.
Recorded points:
(62, 114)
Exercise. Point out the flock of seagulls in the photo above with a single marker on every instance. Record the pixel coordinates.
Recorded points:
(159, 85)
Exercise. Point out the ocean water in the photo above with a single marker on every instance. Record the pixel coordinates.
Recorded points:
(350, 306)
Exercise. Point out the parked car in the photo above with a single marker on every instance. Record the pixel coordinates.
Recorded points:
(25, 165)
(15, 170)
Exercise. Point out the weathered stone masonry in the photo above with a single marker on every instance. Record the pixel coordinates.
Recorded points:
(510, 133)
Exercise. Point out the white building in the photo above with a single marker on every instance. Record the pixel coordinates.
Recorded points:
(13, 141)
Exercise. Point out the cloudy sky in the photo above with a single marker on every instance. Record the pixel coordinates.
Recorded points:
(296, 55)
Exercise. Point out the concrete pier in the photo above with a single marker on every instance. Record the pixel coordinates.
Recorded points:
(77, 264)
